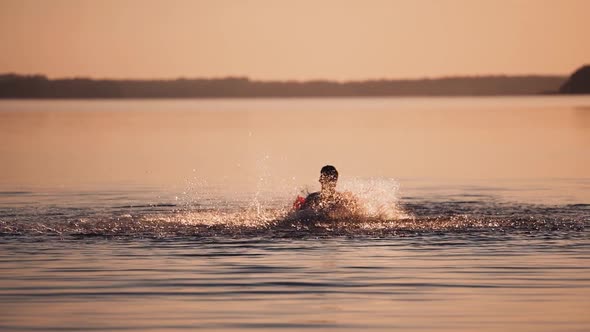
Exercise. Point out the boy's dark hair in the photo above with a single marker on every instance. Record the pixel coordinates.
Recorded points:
(329, 172)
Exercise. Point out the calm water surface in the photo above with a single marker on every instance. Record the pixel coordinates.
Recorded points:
(172, 215)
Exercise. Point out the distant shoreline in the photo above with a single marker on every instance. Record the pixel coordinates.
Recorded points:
(287, 98)
(13, 86)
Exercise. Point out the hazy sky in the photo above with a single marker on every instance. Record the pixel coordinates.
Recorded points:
(293, 39)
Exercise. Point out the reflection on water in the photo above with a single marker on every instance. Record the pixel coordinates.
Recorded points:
(444, 283)
(582, 119)
(175, 215)
(235, 143)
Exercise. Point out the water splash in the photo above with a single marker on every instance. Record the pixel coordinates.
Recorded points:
(379, 198)
(203, 214)
(170, 221)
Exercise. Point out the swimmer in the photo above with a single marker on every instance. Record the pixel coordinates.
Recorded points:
(328, 202)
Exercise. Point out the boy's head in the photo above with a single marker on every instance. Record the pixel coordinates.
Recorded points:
(328, 177)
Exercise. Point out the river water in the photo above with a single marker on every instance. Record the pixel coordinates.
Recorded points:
(170, 215)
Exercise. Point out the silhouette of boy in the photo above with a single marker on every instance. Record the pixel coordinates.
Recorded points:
(328, 201)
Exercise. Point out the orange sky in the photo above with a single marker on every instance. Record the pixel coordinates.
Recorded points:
(298, 39)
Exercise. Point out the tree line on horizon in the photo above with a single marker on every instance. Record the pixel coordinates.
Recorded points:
(39, 86)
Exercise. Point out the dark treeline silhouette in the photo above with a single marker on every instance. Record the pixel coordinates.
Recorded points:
(578, 83)
(37, 86)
